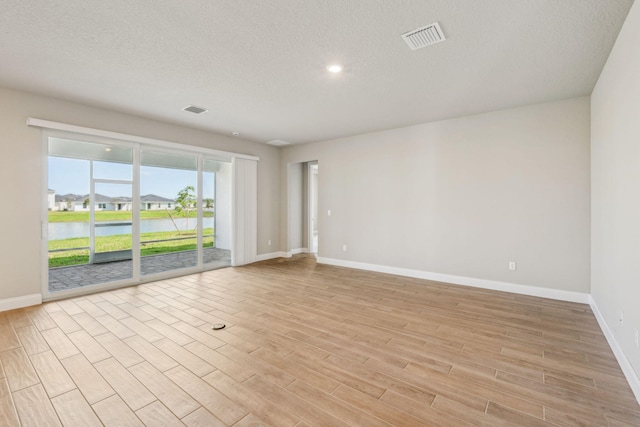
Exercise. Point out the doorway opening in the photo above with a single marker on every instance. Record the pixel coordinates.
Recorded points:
(313, 207)
(302, 225)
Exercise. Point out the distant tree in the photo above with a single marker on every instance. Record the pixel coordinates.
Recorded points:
(185, 202)
(208, 203)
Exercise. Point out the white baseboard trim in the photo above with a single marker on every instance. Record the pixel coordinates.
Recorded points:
(19, 302)
(556, 294)
(281, 254)
(627, 369)
(272, 255)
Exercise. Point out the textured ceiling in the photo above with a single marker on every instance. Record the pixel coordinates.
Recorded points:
(259, 66)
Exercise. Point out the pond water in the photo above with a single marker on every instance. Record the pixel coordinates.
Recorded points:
(68, 230)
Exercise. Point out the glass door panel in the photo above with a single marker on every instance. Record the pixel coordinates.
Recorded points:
(168, 212)
(79, 206)
(216, 208)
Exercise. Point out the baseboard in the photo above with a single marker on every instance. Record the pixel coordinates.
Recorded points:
(556, 294)
(19, 302)
(627, 369)
(281, 254)
(272, 255)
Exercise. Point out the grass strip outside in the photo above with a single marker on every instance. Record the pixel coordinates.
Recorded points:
(123, 242)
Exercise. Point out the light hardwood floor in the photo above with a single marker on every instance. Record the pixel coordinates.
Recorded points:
(308, 345)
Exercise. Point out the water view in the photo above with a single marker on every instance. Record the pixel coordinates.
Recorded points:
(69, 230)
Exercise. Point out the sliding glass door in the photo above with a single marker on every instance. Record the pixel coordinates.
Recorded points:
(121, 213)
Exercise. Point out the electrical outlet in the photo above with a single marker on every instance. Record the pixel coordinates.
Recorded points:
(329, 212)
(344, 248)
(512, 265)
(621, 319)
(635, 337)
(269, 243)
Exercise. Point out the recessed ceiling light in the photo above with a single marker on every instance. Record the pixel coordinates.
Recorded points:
(235, 133)
(107, 149)
(335, 68)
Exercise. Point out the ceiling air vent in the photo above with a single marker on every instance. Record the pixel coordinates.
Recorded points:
(425, 36)
(195, 110)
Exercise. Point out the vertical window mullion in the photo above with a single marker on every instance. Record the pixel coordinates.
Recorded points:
(92, 214)
(135, 214)
(200, 211)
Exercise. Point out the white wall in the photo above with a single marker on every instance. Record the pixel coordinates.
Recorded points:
(615, 172)
(463, 197)
(21, 174)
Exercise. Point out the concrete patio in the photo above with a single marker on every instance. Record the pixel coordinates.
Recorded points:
(64, 278)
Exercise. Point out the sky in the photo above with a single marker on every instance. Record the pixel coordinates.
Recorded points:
(71, 176)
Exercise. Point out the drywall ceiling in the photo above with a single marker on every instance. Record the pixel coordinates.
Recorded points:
(259, 67)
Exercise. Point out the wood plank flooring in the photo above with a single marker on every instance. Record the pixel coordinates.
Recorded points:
(308, 345)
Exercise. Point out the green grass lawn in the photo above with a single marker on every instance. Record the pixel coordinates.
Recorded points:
(59, 216)
(123, 242)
